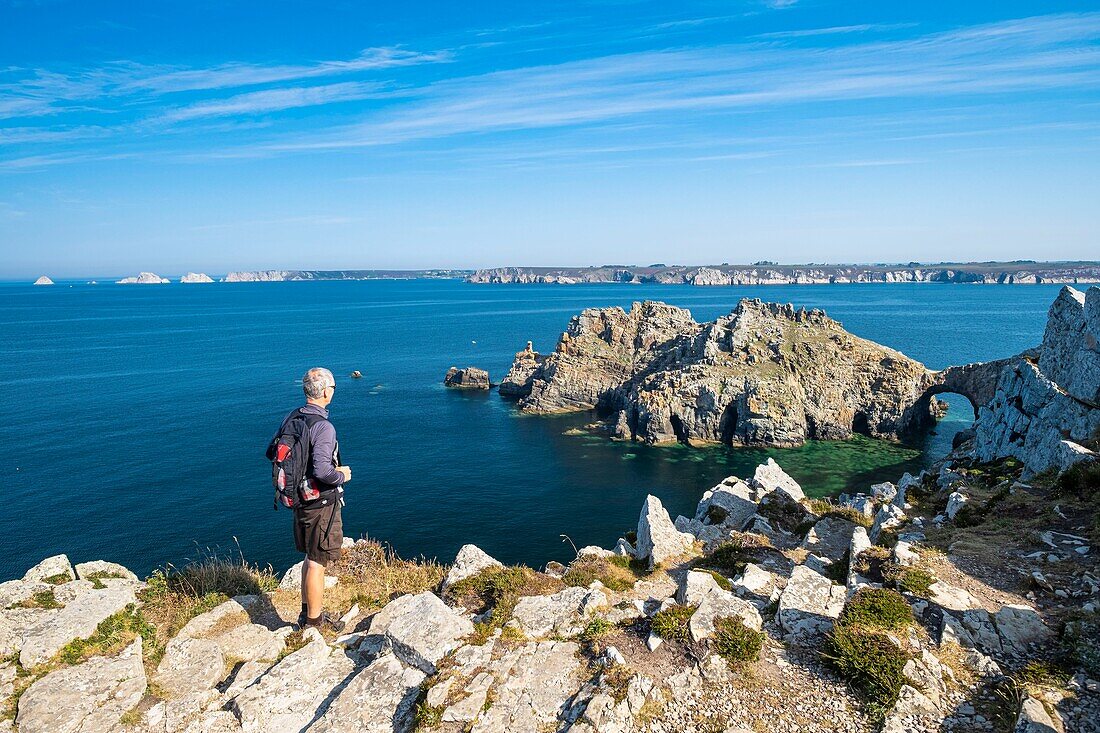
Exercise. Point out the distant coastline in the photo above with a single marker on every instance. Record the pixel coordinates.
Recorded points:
(1019, 272)
(770, 273)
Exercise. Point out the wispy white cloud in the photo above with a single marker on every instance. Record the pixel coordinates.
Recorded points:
(836, 30)
(275, 100)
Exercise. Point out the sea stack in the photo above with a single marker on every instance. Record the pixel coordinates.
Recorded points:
(43, 281)
(143, 278)
(468, 378)
(196, 277)
(766, 374)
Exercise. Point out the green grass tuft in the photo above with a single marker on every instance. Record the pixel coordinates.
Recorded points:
(41, 599)
(736, 642)
(672, 623)
(58, 579)
(877, 608)
(871, 663)
(915, 581)
(596, 629)
(111, 636)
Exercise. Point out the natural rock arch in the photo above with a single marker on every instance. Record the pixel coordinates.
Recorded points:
(976, 382)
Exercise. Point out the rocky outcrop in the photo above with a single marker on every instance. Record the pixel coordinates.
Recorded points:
(1046, 412)
(143, 278)
(196, 277)
(86, 698)
(517, 383)
(773, 274)
(468, 378)
(766, 374)
(658, 538)
(469, 561)
(421, 629)
(43, 281)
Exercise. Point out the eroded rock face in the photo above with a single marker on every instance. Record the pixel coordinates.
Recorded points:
(77, 620)
(658, 538)
(1045, 410)
(88, 697)
(517, 383)
(421, 628)
(469, 561)
(468, 378)
(564, 612)
(534, 682)
(809, 605)
(766, 374)
(379, 699)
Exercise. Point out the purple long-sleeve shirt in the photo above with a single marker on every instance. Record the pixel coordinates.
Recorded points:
(322, 438)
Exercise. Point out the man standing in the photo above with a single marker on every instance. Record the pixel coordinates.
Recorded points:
(318, 526)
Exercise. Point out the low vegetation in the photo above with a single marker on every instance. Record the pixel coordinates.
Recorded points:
(861, 650)
(672, 623)
(915, 581)
(736, 642)
(41, 599)
(616, 573)
(824, 509)
(597, 628)
(1081, 639)
(372, 574)
(497, 590)
(112, 635)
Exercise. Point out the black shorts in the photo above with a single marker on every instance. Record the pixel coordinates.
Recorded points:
(319, 530)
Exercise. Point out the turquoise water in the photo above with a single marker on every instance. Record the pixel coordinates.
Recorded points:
(138, 415)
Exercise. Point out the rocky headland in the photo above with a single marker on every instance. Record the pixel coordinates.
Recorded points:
(770, 273)
(962, 599)
(766, 374)
(143, 278)
(245, 276)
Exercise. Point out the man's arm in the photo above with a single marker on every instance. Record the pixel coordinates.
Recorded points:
(323, 437)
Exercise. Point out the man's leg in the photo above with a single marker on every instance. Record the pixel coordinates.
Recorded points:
(313, 587)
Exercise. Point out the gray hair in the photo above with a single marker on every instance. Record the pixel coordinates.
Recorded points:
(316, 380)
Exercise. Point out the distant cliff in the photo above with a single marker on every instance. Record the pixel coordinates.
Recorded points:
(295, 275)
(1006, 273)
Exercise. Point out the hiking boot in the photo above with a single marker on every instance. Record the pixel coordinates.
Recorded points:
(325, 622)
(301, 622)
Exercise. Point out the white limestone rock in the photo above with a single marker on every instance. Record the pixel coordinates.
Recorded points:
(224, 615)
(1020, 626)
(292, 578)
(143, 278)
(729, 504)
(695, 584)
(829, 538)
(249, 642)
(97, 568)
(860, 542)
(623, 548)
(88, 697)
(51, 567)
(470, 706)
(469, 561)
(809, 605)
(287, 697)
(888, 517)
(196, 277)
(565, 612)
(884, 492)
(421, 628)
(378, 699)
(770, 477)
(77, 620)
(718, 604)
(956, 501)
(43, 280)
(190, 665)
(1034, 718)
(952, 597)
(658, 538)
(534, 683)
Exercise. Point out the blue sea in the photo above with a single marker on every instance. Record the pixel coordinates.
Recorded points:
(137, 416)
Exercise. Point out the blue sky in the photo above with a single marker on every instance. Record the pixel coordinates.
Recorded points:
(214, 136)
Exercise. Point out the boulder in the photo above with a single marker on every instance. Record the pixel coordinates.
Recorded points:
(956, 501)
(224, 615)
(469, 561)
(829, 538)
(695, 584)
(755, 581)
(623, 548)
(952, 597)
(721, 604)
(1019, 627)
(51, 567)
(468, 708)
(190, 665)
(287, 697)
(809, 605)
(564, 613)
(860, 542)
(77, 620)
(379, 699)
(729, 504)
(102, 568)
(534, 684)
(292, 578)
(884, 492)
(770, 477)
(468, 378)
(658, 538)
(1034, 718)
(88, 697)
(978, 631)
(421, 628)
(888, 517)
(250, 642)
